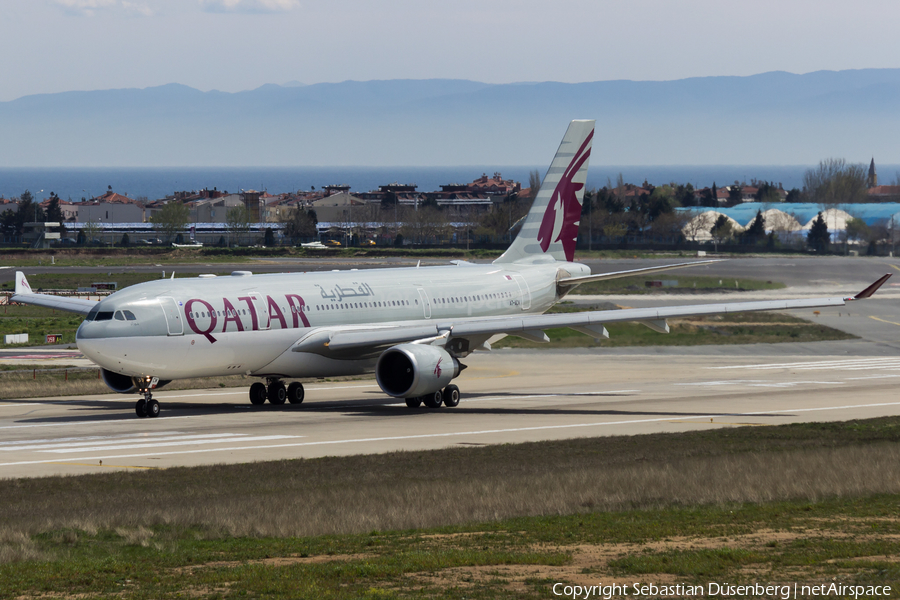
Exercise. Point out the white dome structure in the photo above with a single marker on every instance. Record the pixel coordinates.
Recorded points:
(835, 218)
(697, 229)
(780, 221)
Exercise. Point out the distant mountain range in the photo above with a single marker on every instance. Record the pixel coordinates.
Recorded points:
(772, 118)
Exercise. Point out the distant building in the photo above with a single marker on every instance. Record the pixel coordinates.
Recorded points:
(872, 179)
(493, 185)
(337, 207)
(111, 208)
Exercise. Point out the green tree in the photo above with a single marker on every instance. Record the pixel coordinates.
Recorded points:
(300, 224)
(767, 193)
(794, 195)
(126, 241)
(756, 231)
(54, 213)
(735, 194)
(237, 221)
(721, 230)
(171, 219)
(26, 212)
(858, 230)
(818, 237)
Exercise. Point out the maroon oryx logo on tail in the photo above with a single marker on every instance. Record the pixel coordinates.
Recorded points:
(560, 222)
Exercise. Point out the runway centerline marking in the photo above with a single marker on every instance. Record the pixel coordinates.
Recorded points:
(79, 446)
(261, 438)
(463, 433)
(885, 321)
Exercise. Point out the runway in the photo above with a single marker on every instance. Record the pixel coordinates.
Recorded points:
(509, 396)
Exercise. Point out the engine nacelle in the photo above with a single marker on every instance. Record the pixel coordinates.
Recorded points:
(410, 370)
(123, 384)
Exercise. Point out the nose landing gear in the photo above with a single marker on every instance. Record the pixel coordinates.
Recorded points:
(147, 406)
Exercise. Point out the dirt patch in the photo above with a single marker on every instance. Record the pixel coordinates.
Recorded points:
(275, 561)
(590, 562)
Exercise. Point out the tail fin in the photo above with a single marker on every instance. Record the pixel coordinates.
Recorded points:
(22, 286)
(551, 226)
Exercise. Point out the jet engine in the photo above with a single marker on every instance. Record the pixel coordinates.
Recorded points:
(410, 370)
(123, 384)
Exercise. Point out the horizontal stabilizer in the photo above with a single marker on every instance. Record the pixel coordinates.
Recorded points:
(565, 285)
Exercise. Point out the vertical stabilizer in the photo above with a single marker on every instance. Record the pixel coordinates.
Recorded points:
(551, 227)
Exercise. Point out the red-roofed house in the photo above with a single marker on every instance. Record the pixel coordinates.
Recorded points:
(111, 208)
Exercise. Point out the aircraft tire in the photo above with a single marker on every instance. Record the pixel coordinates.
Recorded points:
(433, 400)
(258, 393)
(152, 408)
(140, 408)
(451, 396)
(295, 393)
(414, 402)
(276, 393)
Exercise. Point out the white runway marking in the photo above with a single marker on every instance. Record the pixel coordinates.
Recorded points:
(849, 364)
(99, 422)
(88, 443)
(760, 383)
(463, 433)
(237, 437)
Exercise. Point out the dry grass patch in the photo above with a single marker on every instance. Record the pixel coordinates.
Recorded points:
(412, 490)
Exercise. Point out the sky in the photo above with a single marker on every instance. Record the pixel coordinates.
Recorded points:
(233, 45)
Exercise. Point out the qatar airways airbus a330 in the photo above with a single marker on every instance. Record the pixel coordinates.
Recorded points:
(411, 326)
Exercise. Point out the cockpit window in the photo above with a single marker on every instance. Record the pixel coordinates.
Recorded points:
(104, 316)
(93, 313)
(119, 316)
(129, 315)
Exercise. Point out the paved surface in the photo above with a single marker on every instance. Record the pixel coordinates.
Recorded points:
(508, 395)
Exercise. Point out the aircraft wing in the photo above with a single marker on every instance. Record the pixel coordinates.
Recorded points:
(531, 326)
(24, 295)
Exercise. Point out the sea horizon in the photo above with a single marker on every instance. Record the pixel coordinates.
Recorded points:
(75, 183)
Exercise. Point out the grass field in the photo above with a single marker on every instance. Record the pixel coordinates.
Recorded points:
(807, 503)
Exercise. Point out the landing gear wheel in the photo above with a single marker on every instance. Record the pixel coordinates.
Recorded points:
(433, 400)
(295, 393)
(276, 393)
(414, 402)
(152, 409)
(258, 393)
(451, 396)
(140, 408)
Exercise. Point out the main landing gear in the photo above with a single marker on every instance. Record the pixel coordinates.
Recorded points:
(147, 406)
(449, 397)
(275, 392)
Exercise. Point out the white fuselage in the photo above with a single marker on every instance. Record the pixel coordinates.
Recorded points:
(249, 324)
